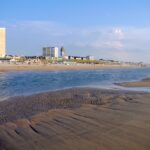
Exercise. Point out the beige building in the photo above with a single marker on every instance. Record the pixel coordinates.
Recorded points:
(2, 42)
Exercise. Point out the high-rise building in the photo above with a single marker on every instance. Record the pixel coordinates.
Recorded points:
(50, 52)
(62, 51)
(2, 42)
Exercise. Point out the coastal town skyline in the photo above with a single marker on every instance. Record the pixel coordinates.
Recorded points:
(102, 32)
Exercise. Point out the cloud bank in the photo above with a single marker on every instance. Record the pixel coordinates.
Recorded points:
(120, 43)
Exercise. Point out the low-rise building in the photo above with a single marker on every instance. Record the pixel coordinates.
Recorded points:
(90, 57)
(76, 58)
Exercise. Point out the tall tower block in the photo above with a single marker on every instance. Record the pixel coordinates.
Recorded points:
(2, 42)
(62, 51)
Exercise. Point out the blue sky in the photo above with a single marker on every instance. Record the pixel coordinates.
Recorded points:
(110, 29)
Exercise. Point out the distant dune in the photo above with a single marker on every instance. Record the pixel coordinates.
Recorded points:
(73, 119)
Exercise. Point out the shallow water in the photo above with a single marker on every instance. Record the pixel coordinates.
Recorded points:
(25, 83)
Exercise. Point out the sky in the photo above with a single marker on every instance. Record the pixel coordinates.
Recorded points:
(107, 29)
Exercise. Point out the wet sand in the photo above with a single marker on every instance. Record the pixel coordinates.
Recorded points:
(73, 119)
(57, 67)
(142, 83)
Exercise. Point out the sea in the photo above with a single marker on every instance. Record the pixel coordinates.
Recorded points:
(32, 82)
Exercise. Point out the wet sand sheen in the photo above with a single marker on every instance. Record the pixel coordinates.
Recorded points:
(85, 119)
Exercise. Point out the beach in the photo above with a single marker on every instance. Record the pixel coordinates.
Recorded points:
(76, 118)
(59, 67)
(74, 75)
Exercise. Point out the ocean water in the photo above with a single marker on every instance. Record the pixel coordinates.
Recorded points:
(26, 83)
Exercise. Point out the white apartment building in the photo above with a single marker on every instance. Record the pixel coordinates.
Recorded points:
(50, 52)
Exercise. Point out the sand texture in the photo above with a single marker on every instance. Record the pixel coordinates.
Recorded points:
(76, 119)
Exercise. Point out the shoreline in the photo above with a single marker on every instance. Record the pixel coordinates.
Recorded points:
(92, 117)
(61, 67)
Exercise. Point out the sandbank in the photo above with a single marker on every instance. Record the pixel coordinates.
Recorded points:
(142, 83)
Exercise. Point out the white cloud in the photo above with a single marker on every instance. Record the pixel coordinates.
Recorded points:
(119, 32)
